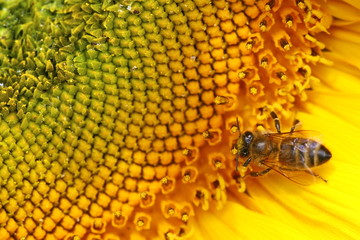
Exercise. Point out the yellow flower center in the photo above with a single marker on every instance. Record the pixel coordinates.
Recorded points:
(118, 120)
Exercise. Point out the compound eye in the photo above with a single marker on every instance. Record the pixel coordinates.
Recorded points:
(248, 137)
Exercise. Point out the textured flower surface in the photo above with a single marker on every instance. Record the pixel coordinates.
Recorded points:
(117, 118)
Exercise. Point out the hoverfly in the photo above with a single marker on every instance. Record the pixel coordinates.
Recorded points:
(287, 153)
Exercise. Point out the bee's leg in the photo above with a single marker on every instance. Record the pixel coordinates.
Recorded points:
(237, 163)
(295, 124)
(237, 125)
(276, 120)
(315, 175)
(247, 162)
(258, 174)
(245, 167)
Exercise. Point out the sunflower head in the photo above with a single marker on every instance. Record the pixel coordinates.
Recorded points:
(118, 118)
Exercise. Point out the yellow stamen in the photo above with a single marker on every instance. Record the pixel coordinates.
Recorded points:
(164, 181)
(221, 100)
(282, 76)
(207, 134)
(269, 5)
(263, 26)
(284, 44)
(301, 4)
(234, 129)
(234, 151)
(289, 21)
(143, 195)
(186, 152)
(242, 75)
(264, 62)
(253, 90)
(140, 223)
(249, 45)
(218, 164)
(185, 217)
(171, 211)
(187, 177)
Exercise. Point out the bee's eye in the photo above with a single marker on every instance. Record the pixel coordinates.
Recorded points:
(248, 137)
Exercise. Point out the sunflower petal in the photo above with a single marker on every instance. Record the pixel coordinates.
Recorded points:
(236, 222)
(343, 10)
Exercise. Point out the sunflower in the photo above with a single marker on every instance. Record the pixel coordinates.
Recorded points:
(118, 118)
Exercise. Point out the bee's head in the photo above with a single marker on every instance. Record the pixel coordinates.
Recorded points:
(243, 143)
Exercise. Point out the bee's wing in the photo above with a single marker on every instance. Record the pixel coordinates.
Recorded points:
(304, 177)
(309, 134)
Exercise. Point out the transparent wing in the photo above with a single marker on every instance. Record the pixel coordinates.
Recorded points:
(308, 134)
(305, 176)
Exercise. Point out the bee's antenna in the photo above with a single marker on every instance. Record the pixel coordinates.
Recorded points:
(295, 124)
(238, 126)
(237, 163)
(237, 156)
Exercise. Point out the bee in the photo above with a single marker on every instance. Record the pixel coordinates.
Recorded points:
(287, 153)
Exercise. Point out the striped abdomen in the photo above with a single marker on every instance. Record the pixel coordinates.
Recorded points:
(302, 153)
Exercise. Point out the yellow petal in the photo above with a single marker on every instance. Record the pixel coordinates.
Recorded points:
(344, 11)
(344, 105)
(335, 78)
(236, 222)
